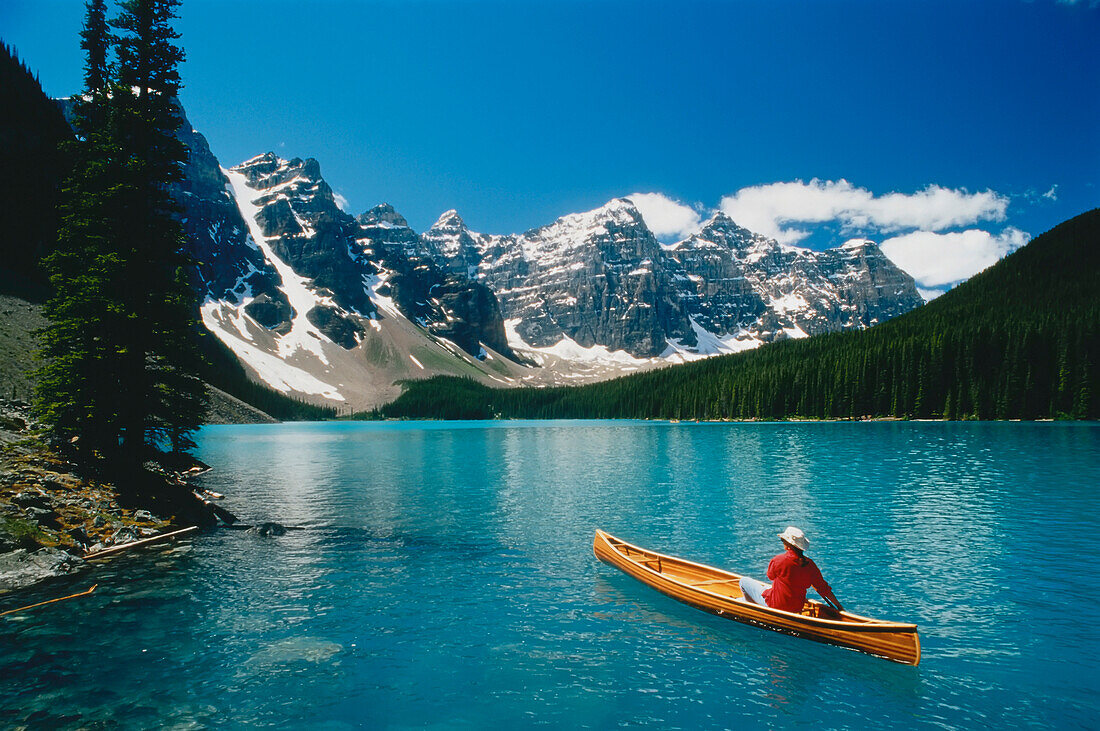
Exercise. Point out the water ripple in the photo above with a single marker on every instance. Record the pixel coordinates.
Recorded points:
(444, 577)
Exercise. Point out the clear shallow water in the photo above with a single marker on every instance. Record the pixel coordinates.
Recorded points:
(444, 578)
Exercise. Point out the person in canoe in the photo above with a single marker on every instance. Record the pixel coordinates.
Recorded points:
(792, 573)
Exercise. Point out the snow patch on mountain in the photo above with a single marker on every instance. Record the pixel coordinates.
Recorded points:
(303, 334)
(708, 345)
(570, 350)
(273, 370)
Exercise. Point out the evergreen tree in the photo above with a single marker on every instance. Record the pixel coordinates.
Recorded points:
(32, 128)
(160, 359)
(121, 345)
(77, 387)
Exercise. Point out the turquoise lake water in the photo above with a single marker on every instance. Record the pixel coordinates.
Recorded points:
(444, 578)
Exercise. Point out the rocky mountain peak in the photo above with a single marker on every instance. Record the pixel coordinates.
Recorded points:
(449, 221)
(857, 244)
(621, 211)
(383, 215)
(616, 221)
(723, 232)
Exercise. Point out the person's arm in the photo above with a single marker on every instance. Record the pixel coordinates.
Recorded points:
(825, 590)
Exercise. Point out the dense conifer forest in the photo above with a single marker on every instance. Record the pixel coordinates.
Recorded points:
(32, 130)
(1021, 340)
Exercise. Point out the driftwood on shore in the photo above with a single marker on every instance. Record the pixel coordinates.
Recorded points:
(108, 552)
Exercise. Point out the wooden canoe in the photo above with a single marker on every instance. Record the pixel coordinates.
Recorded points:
(719, 592)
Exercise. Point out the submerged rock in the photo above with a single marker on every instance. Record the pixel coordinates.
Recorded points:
(294, 650)
(268, 529)
(22, 568)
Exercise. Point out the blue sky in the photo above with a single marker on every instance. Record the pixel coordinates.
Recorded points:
(948, 129)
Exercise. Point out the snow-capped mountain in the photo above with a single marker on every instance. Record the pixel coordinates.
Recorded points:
(741, 285)
(450, 306)
(333, 308)
(600, 278)
(596, 278)
(355, 310)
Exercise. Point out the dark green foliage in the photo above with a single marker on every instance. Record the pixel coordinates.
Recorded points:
(78, 391)
(121, 347)
(32, 128)
(95, 40)
(165, 398)
(1018, 341)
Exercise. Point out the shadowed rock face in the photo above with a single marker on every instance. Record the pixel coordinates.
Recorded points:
(471, 316)
(273, 314)
(429, 289)
(336, 327)
(306, 228)
(229, 266)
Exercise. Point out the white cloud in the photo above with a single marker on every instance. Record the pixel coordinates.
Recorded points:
(341, 201)
(666, 217)
(769, 209)
(936, 259)
(1052, 194)
(930, 294)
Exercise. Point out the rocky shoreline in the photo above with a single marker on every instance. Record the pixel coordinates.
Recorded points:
(52, 517)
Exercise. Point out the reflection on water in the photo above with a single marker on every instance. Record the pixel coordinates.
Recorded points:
(444, 577)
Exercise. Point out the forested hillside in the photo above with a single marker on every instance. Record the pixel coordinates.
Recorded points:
(1018, 341)
(32, 129)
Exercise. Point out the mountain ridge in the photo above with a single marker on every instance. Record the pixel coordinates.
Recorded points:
(1021, 340)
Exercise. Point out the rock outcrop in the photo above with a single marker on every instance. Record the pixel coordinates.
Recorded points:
(735, 282)
(601, 278)
(306, 228)
(22, 568)
(427, 285)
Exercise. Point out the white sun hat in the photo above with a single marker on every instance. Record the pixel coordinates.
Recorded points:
(795, 537)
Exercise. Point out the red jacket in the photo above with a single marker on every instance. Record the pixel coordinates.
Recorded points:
(791, 576)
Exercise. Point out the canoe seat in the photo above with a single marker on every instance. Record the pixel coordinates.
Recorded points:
(712, 581)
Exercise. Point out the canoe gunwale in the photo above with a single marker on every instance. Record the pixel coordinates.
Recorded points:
(862, 623)
(898, 641)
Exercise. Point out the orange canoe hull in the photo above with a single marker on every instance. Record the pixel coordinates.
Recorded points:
(718, 592)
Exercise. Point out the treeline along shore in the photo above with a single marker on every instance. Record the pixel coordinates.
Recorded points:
(1021, 340)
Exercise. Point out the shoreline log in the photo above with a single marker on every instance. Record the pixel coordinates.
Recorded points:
(107, 552)
(86, 592)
